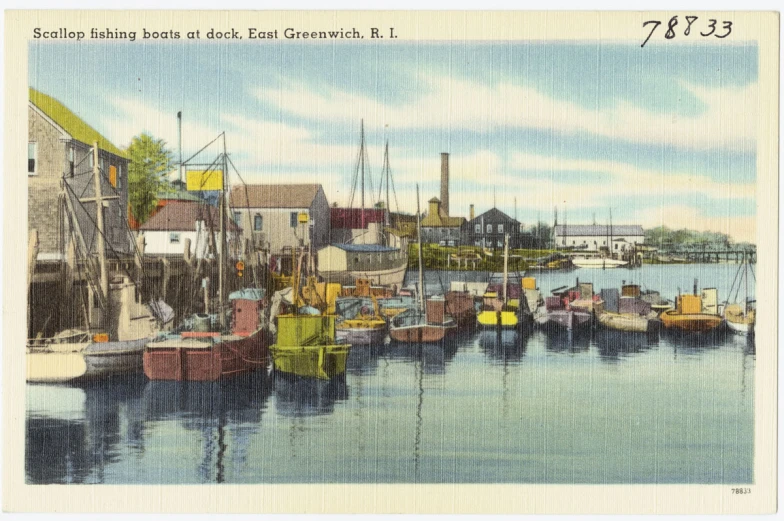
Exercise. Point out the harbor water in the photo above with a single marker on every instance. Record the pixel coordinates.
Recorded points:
(531, 407)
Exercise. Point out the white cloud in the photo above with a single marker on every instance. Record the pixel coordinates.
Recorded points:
(729, 120)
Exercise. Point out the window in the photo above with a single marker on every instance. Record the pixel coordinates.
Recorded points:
(500, 228)
(477, 243)
(119, 177)
(174, 238)
(113, 175)
(102, 165)
(293, 219)
(90, 157)
(257, 223)
(500, 244)
(477, 228)
(32, 158)
(70, 161)
(489, 228)
(616, 246)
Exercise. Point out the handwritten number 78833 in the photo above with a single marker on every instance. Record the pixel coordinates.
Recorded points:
(723, 31)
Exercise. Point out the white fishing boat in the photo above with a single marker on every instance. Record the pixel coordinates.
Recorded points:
(740, 315)
(597, 262)
(365, 258)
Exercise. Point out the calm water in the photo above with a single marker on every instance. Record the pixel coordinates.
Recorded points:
(532, 408)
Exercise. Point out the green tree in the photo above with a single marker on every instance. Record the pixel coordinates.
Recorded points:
(150, 162)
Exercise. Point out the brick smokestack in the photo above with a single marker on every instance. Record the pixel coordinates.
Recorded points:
(445, 182)
(471, 213)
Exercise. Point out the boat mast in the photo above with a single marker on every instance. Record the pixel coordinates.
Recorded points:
(99, 224)
(506, 263)
(362, 167)
(386, 166)
(419, 258)
(222, 254)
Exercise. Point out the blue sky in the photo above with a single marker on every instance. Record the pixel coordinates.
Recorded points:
(659, 135)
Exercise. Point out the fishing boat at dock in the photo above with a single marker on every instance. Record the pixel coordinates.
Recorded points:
(306, 343)
(429, 322)
(597, 262)
(741, 315)
(627, 311)
(204, 354)
(116, 325)
(366, 256)
(694, 313)
(359, 321)
(572, 308)
(501, 303)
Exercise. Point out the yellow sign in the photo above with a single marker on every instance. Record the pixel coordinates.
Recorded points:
(197, 180)
(302, 218)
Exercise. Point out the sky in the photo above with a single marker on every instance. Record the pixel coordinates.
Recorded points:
(663, 135)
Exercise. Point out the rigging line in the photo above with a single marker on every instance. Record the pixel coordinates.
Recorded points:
(204, 147)
(137, 253)
(103, 235)
(356, 175)
(89, 273)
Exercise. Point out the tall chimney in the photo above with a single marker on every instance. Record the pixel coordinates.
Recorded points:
(445, 182)
(471, 213)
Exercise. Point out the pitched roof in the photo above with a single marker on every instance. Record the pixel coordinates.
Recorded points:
(72, 123)
(600, 230)
(182, 216)
(274, 196)
(439, 221)
(494, 215)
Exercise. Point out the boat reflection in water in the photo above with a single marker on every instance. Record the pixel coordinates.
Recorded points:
(299, 396)
(364, 361)
(227, 413)
(74, 432)
(434, 358)
(560, 340)
(615, 345)
(504, 345)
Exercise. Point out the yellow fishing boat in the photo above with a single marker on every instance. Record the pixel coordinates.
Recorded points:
(306, 344)
(693, 313)
(306, 347)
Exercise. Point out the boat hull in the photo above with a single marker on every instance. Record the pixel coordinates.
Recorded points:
(598, 263)
(626, 322)
(317, 361)
(690, 322)
(569, 318)
(738, 321)
(388, 277)
(422, 333)
(69, 362)
(360, 336)
(206, 360)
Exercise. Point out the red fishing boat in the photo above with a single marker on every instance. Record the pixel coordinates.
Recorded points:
(204, 355)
